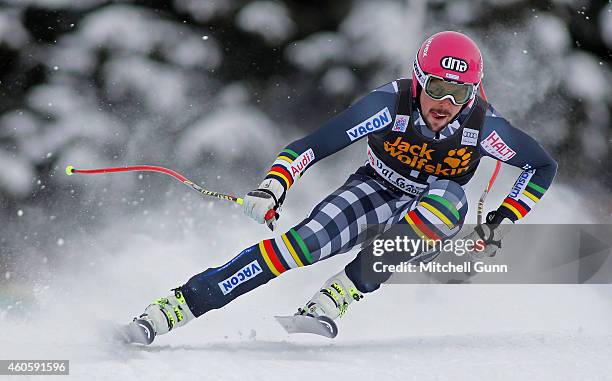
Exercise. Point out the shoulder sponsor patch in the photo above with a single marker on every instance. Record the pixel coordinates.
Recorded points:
(469, 137)
(245, 274)
(496, 146)
(377, 121)
(401, 122)
(298, 165)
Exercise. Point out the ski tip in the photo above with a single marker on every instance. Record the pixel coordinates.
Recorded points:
(320, 325)
(330, 325)
(139, 331)
(69, 170)
(142, 332)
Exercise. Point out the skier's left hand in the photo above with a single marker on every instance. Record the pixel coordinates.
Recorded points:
(491, 233)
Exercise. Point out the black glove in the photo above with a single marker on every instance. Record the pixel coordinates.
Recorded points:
(491, 233)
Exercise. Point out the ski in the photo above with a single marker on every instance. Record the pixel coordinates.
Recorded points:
(139, 331)
(322, 325)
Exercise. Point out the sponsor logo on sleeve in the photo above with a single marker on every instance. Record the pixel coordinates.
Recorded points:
(469, 137)
(245, 274)
(521, 183)
(401, 122)
(496, 146)
(377, 121)
(298, 165)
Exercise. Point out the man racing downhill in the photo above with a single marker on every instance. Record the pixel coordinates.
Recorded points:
(425, 139)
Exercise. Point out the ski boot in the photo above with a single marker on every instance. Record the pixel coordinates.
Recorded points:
(329, 303)
(333, 299)
(158, 318)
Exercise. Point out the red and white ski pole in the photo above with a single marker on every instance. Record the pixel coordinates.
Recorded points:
(481, 201)
(269, 217)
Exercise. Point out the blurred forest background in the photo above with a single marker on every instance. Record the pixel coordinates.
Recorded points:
(215, 88)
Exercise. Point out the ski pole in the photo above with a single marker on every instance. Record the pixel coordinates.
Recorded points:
(481, 201)
(269, 217)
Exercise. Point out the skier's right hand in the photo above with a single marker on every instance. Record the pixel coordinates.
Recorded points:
(258, 202)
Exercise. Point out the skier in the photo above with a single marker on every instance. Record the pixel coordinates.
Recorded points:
(426, 137)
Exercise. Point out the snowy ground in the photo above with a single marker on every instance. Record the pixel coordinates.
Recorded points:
(427, 332)
(407, 332)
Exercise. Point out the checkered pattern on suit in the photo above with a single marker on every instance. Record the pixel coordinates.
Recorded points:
(338, 223)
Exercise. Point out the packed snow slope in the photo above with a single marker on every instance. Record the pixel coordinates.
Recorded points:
(407, 332)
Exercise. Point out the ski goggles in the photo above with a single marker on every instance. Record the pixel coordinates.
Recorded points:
(439, 89)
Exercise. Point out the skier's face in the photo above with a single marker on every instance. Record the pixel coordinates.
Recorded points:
(437, 114)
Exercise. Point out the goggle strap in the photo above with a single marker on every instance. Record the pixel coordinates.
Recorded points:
(420, 75)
